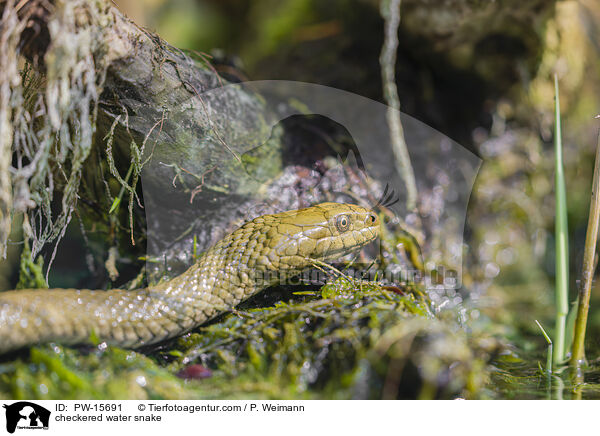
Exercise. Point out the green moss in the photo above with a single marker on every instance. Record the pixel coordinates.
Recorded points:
(61, 372)
(31, 273)
(340, 342)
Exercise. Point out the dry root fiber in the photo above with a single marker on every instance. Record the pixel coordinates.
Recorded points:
(47, 111)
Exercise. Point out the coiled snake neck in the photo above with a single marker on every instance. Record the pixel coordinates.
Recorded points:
(237, 267)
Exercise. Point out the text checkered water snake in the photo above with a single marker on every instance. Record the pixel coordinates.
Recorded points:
(237, 267)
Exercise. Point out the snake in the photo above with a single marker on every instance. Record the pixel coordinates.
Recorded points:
(258, 254)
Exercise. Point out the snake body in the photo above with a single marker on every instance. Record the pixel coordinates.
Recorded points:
(241, 264)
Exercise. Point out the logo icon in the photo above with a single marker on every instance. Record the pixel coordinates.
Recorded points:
(26, 415)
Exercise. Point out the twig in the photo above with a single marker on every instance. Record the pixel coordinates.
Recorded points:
(198, 188)
(390, 10)
(316, 263)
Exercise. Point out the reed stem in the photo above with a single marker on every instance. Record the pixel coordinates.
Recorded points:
(562, 242)
(589, 266)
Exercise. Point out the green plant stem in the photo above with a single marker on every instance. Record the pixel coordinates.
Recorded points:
(591, 237)
(550, 353)
(562, 243)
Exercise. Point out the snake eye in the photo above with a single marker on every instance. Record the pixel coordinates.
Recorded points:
(342, 222)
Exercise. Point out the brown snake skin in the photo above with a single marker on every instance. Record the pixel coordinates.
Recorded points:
(237, 267)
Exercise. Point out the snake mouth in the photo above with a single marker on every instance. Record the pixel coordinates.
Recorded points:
(348, 243)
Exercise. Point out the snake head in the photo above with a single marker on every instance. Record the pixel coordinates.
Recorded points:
(324, 232)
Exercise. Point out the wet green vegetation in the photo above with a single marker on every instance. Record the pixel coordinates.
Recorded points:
(342, 340)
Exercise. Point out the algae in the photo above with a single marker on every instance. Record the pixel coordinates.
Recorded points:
(348, 339)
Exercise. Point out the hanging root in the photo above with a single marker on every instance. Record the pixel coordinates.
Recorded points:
(47, 110)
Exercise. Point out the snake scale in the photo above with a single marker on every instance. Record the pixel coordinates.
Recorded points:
(241, 264)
